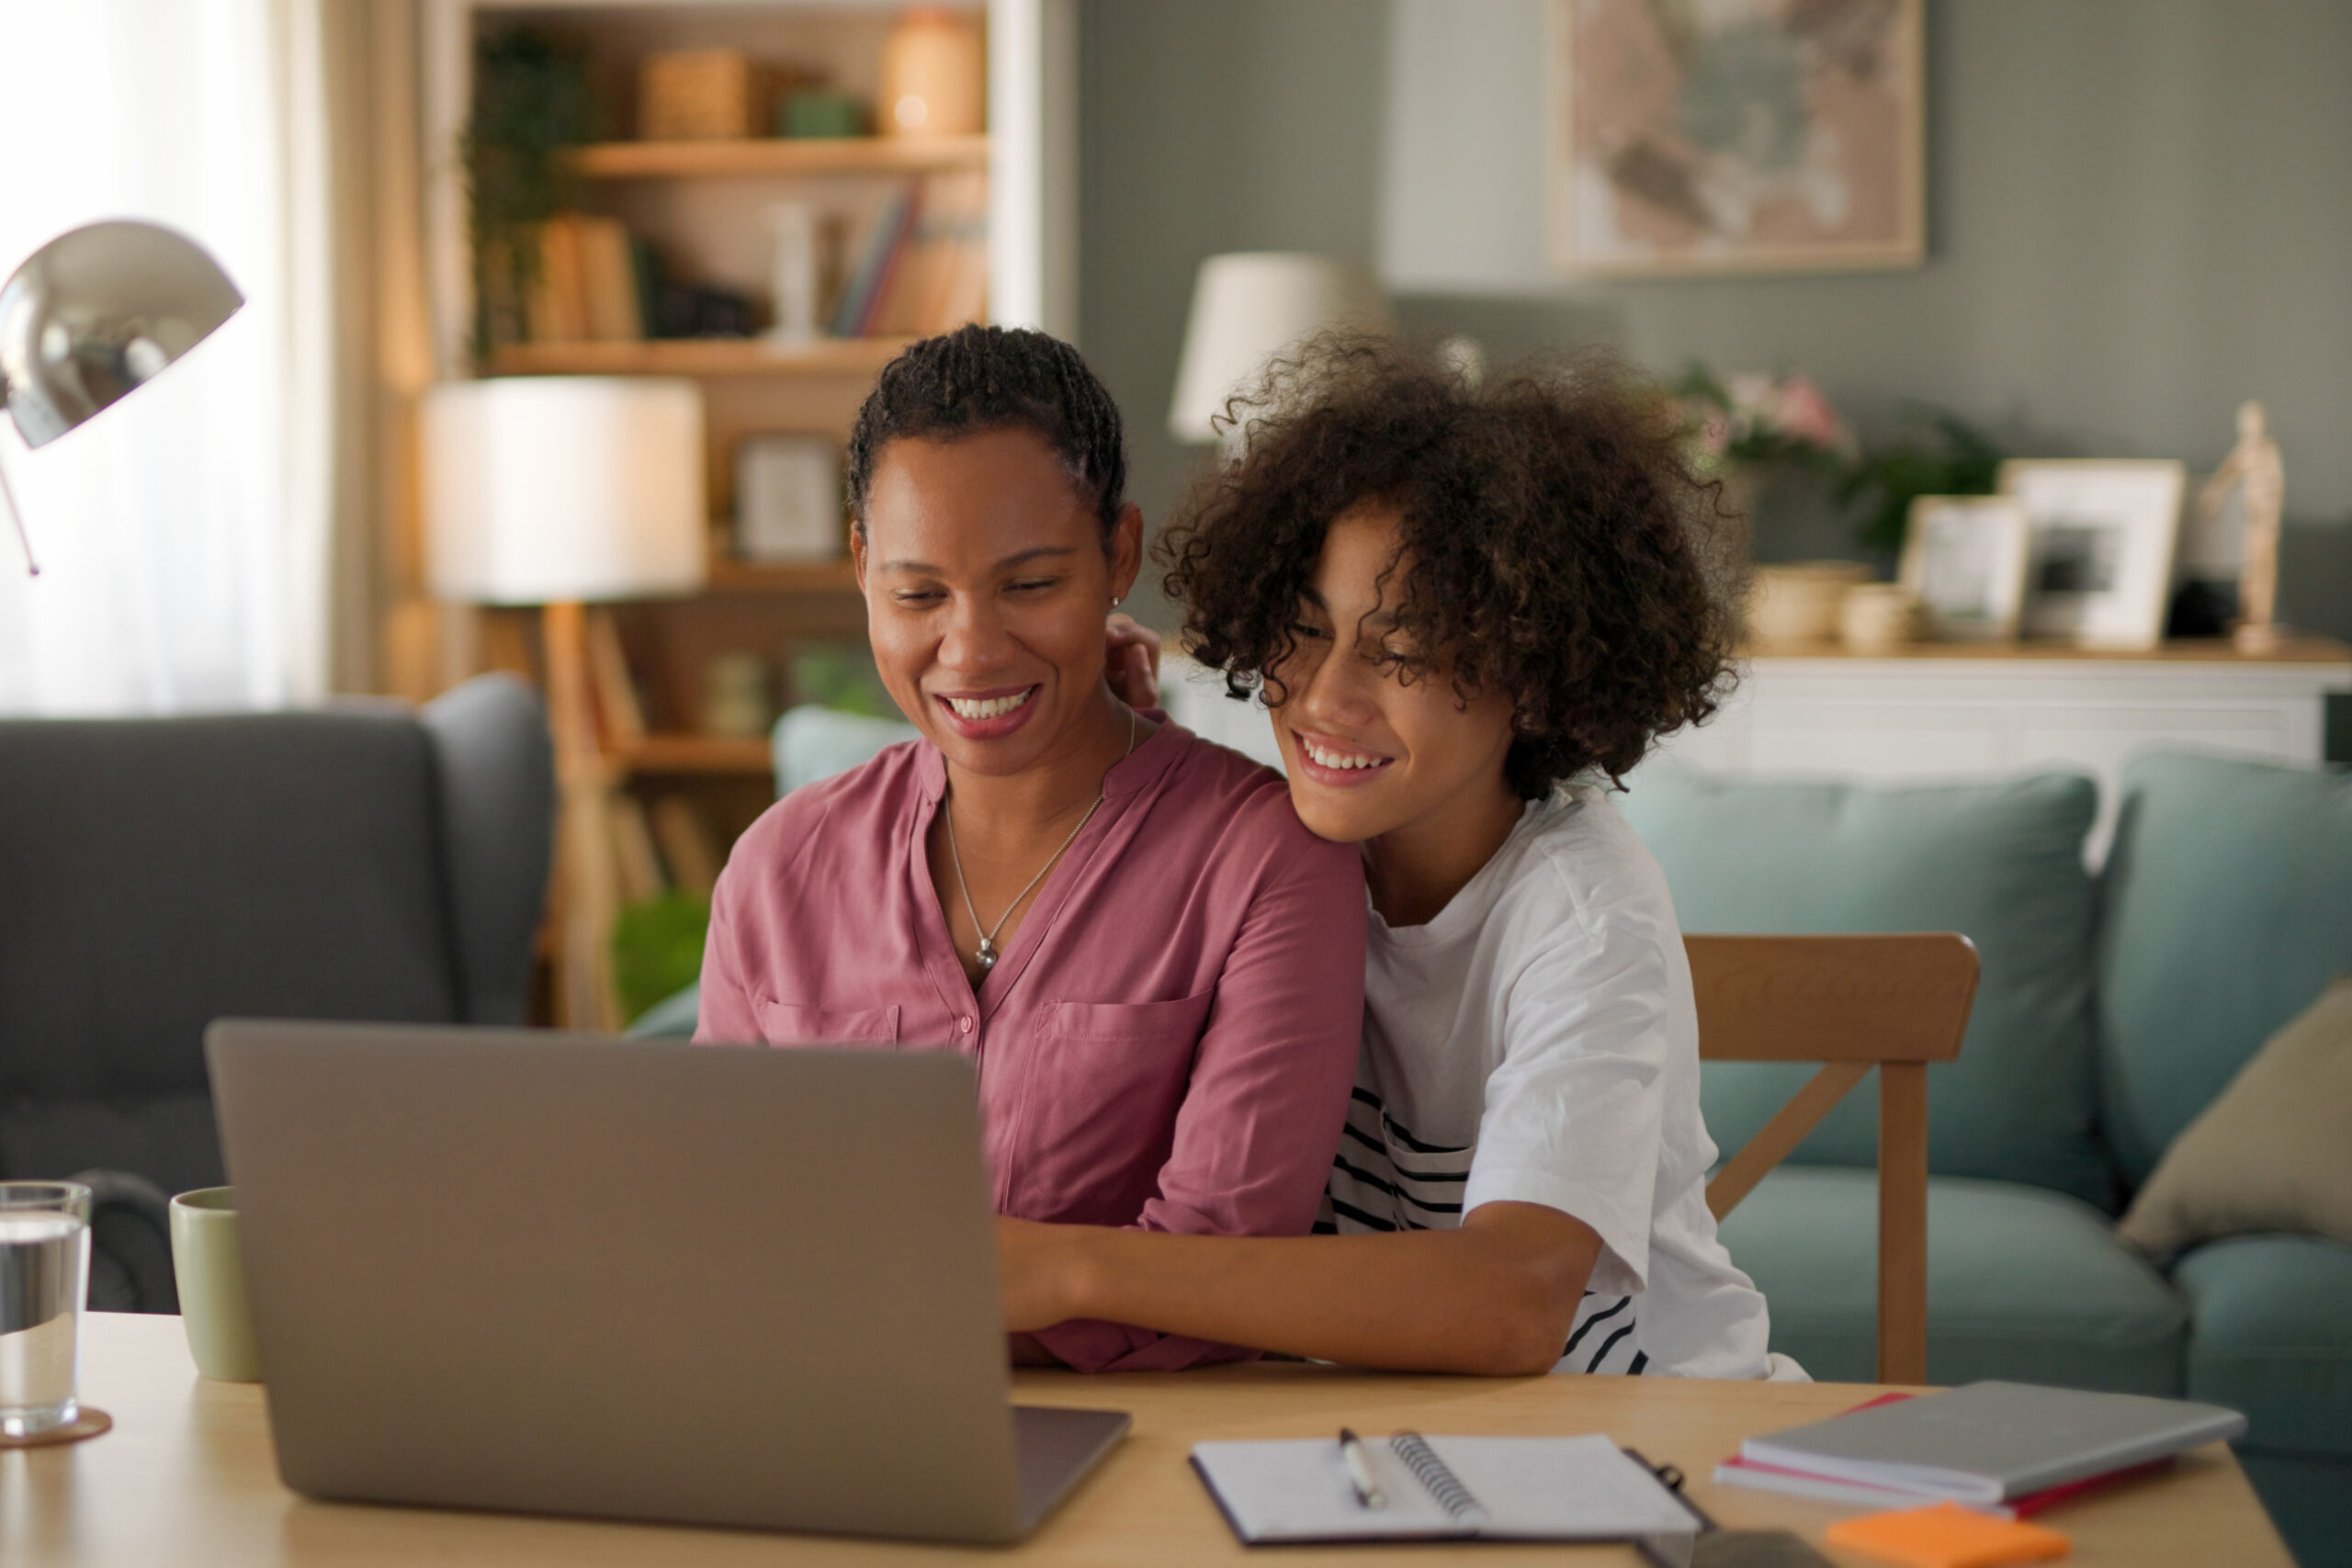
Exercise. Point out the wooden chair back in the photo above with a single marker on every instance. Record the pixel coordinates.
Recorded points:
(1851, 1003)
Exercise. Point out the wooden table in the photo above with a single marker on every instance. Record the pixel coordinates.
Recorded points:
(186, 1477)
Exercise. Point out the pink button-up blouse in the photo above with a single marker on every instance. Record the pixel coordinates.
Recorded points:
(1169, 1040)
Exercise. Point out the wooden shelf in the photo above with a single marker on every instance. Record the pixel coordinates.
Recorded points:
(721, 754)
(2291, 649)
(728, 575)
(781, 156)
(849, 356)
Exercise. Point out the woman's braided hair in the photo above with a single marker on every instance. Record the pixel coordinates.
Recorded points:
(980, 378)
(1555, 547)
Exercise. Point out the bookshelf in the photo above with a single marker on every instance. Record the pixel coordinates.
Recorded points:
(703, 204)
(675, 755)
(778, 158)
(861, 357)
(783, 576)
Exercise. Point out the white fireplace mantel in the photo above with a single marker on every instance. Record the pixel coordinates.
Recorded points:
(1958, 710)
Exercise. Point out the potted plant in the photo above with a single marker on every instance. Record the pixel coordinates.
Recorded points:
(531, 107)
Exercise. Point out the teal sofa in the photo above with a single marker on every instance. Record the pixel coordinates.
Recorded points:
(2112, 1008)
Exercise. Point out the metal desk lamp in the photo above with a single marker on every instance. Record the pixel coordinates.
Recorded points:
(91, 315)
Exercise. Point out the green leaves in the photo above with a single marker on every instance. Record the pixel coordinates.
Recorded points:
(1945, 456)
(532, 104)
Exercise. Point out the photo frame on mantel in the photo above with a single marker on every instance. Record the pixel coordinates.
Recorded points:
(2101, 533)
(1739, 136)
(1965, 556)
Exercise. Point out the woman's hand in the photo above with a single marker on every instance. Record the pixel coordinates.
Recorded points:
(1032, 1270)
(1131, 664)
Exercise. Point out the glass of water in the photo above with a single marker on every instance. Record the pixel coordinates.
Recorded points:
(44, 1276)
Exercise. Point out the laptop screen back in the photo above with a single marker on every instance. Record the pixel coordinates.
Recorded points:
(574, 1275)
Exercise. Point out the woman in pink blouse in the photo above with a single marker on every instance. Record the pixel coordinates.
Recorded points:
(1157, 970)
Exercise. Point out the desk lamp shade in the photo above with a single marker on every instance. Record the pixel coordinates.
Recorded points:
(1248, 308)
(544, 490)
(96, 312)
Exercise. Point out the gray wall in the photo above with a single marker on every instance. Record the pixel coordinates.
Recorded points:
(2140, 212)
(1209, 126)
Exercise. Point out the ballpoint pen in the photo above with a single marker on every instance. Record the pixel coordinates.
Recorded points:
(1360, 1476)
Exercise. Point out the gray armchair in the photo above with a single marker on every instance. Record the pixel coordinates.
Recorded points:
(355, 862)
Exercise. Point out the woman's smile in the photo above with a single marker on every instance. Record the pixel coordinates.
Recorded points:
(989, 716)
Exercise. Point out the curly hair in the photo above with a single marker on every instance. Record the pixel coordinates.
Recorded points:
(1555, 546)
(980, 378)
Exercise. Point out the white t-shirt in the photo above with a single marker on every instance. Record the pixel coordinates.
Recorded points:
(1537, 1042)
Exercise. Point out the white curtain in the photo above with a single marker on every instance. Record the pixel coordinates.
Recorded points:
(182, 533)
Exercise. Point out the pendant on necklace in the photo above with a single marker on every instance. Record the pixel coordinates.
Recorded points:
(986, 956)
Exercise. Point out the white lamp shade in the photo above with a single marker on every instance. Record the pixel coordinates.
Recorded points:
(548, 489)
(1248, 308)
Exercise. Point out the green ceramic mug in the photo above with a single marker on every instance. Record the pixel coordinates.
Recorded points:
(212, 1274)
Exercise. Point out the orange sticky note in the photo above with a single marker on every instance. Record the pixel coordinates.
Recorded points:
(1947, 1536)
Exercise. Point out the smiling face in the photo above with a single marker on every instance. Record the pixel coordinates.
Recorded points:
(986, 579)
(1372, 755)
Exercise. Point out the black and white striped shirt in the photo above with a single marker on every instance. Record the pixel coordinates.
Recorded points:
(1537, 1042)
(1384, 1178)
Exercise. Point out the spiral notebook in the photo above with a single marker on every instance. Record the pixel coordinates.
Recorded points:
(1584, 1488)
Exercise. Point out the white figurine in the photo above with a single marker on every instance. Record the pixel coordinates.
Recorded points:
(2253, 468)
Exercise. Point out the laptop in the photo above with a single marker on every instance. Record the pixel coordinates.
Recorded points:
(568, 1274)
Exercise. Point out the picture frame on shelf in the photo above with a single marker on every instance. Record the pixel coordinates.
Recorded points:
(2101, 537)
(1965, 556)
(1741, 136)
(788, 499)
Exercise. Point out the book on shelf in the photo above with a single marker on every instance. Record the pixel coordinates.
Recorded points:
(924, 268)
(950, 234)
(588, 286)
(884, 237)
(608, 281)
(555, 301)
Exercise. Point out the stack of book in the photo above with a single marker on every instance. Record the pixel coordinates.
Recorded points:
(592, 283)
(921, 268)
(925, 266)
(2004, 1448)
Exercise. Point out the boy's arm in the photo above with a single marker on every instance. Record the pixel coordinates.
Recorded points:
(1560, 1189)
(1496, 1297)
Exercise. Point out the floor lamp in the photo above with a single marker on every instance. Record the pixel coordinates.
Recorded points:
(562, 492)
(94, 313)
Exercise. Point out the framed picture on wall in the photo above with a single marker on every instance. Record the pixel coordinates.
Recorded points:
(2099, 545)
(1965, 555)
(1738, 136)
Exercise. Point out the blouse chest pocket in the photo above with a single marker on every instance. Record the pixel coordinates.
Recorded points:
(1099, 1094)
(1141, 1024)
(790, 1023)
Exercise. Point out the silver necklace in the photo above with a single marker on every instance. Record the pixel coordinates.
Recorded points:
(985, 955)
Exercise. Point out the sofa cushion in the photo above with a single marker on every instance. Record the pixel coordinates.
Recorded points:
(2273, 1337)
(2227, 907)
(812, 742)
(157, 875)
(2022, 1283)
(2000, 863)
(2273, 1153)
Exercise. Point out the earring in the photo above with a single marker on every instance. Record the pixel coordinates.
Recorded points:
(1115, 600)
